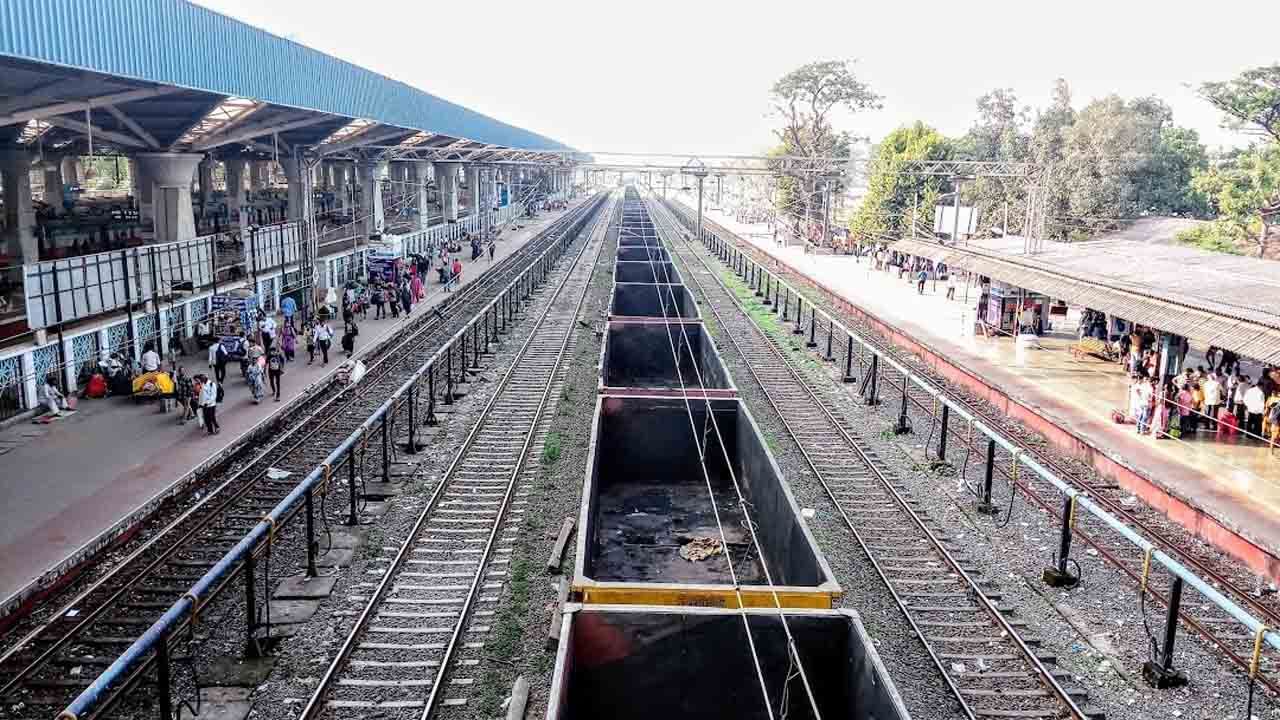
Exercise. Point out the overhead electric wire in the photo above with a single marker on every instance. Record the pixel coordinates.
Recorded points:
(742, 501)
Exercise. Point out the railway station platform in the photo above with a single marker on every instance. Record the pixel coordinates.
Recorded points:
(1228, 493)
(70, 485)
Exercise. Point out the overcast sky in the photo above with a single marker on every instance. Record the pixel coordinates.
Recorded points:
(694, 76)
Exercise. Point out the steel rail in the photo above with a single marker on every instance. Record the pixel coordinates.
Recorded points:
(340, 660)
(389, 360)
(762, 339)
(1083, 499)
(133, 660)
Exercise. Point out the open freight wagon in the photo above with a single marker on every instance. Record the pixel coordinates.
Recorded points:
(634, 663)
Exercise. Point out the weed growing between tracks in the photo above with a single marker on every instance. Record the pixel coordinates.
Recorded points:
(766, 320)
(551, 449)
(504, 640)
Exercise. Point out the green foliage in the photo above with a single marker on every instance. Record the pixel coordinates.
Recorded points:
(803, 101)
(551, 448)
(1250, 101)
(1000, 132)
(1213, 238)
(1244, 191)
(886, 209)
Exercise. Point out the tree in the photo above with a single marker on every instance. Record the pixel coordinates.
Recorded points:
(804, 100)
(1244, 191)
(998, 134)
(1167, 187)
(1047, 148)
(886, 210)
(1250, 101)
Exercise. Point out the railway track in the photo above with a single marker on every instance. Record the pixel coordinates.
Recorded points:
(417, 643)
(58, 657)
(990, 667)
(1240, 585)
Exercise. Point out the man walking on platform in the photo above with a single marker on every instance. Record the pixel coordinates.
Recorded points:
(209, 397)
(921, 276)
(288, 306)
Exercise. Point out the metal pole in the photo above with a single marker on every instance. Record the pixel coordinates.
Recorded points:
(903, 425)
(163, 680)
(353, 516)
(942, 439)
(955, 222)
(1058, 576)
(813, 327)
(848, 362)
(830, 329)
(312, 545)
(411, 446)
(700, 179)
(250, 606)
(1163, 676)
(431, 399)
(985, 506)
(386, 451)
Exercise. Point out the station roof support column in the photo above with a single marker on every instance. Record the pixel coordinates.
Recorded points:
(20, 217)
(369, 176)
(293, 174)
(206, 182)
(422, 172)
(51, 164)
(473, 187)
(235, 190)
(447, 185)
(170, 175)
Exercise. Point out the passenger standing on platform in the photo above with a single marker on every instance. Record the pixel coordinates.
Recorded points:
(323, 335)
(288, 342)
(218, 360)
(1242, 389)
(267, 329)
(288, 306)
(275, 368)
(1255, 401)
(1212, 391)
(349, 338)
(493, 247)
(379, 302)
(209, 406)
(921, 276)
(182, 393)
(1186, 409)
(1143, 401)
(1229, 384)
(406, 297)
(457, 271)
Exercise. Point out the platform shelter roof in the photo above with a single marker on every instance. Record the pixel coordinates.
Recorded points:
(169, 75)
(1228, 301)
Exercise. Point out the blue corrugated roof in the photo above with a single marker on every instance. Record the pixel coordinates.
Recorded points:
(173, 42)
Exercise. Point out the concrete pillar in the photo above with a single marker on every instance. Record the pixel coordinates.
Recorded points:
(20, 218)
(235, 169)
(473, 189)
(206, 181)
(447, 185)
(71, 169)
(51, 164)
(368, 175)
(170, 175)
(293, 173)
(141, 189)
(422, 171)
(341, 173)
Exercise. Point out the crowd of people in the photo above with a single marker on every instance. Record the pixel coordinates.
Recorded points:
(266, 348)
(1218, 400)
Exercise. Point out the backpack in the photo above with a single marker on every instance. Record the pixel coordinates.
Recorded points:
(220, 394)
(275, 362)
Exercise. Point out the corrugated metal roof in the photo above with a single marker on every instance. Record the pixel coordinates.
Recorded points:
(1202, 325)
(177, 43)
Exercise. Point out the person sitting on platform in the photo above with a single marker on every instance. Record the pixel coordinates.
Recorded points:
(52, 397)
(150, 358)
